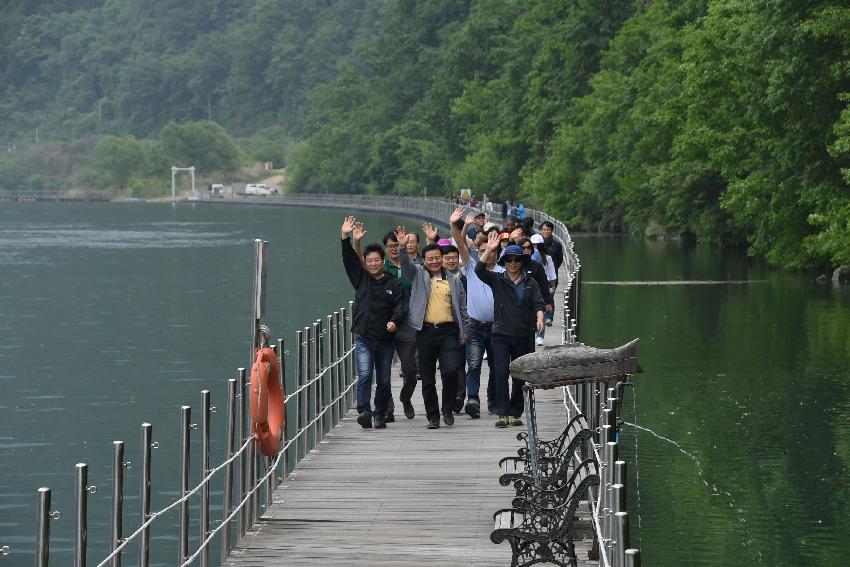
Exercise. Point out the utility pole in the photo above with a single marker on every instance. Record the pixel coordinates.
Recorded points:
(36, 135)
(209, 109)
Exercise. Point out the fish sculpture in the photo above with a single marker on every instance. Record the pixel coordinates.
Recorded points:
(574, 362)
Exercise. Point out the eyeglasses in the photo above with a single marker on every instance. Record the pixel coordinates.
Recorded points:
(512, 259)
(450, 258)
(528, 247)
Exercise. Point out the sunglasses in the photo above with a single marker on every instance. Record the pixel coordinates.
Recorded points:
(512, 259)
(528, 247)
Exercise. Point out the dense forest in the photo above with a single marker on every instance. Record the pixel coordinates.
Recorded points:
(722, 121)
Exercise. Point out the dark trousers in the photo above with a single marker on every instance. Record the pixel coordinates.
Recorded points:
(405, 346)
(477, 343)
(441, 344)
(505, 349)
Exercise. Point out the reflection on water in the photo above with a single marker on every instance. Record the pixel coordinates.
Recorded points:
(743, 442)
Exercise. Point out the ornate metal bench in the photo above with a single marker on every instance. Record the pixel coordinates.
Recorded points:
(554, 456)
(539, 526)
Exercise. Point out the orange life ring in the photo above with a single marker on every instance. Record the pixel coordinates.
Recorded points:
(267, 397)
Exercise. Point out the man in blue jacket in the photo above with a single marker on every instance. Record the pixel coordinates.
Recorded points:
(379, 309)
(518, 311)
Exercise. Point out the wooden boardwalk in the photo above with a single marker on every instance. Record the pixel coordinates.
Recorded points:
(405, 495)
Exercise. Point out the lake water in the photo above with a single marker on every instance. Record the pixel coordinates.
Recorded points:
(115, 314)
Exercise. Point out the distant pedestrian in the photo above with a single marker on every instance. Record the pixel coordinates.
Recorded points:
(535, 270)
(379, 309)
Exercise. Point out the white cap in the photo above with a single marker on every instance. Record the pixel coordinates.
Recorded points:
(537, 239)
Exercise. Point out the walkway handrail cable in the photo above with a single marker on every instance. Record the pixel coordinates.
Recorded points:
(208, 477)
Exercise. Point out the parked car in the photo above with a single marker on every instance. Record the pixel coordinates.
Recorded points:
(260, 189)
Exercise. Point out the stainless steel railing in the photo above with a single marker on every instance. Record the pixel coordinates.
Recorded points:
(600, 403)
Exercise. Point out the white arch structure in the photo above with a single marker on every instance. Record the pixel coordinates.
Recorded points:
(174, 171)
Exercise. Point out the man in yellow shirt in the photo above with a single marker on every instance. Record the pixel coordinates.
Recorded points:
(437, 310)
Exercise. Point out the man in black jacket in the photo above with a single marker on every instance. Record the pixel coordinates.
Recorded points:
(518, 311)
(379, 309)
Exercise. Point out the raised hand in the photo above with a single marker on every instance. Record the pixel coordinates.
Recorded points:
(457, 215)
(401, 235)
(347, 226)
(517, 232)
(492, 240)
(359, 231)
(470, 218)
(430, 232)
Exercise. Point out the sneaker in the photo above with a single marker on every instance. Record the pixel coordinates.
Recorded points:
(539, 341)
(502, 422)
(458, 407)
(408, 410)
(434, 423)
(515, 421)
(380, 422)
(491, 408)
(548, 323)
(472, 410)
(389, 418)
(365, 420)
(448, 417)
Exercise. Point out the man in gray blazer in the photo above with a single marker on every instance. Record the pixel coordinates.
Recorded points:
(437, 310)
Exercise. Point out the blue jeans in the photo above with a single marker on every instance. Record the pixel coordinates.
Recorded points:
(369, 354)
(477, 343)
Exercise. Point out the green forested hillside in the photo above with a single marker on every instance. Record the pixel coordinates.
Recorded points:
(725, 121)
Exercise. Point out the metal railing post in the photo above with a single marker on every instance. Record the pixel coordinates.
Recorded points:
(206, 410)
(82, 528)
(117, 498)
(610, 449)
(281, 353)
(313, 399)
(340, 371)
(253, 503)
(42, 538)
(271, 481)
(145, 493)
(185, 427)
(331, 350)
(349, 340)
(228, 473)
(632, 558)
(320, 390)
(242, 429)
(300, 445)
(621, 538)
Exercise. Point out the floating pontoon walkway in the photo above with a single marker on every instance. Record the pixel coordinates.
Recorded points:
(404, 495)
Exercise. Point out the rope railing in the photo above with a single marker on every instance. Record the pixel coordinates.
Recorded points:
(324, 381)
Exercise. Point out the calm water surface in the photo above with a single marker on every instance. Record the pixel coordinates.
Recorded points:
(111, 315)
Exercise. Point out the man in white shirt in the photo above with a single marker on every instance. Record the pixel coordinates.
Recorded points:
(479, 306)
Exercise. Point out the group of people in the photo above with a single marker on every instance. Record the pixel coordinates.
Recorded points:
(482, 291)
